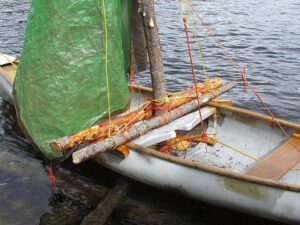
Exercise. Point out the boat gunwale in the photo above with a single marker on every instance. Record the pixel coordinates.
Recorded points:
(220, 171)
(210, 169)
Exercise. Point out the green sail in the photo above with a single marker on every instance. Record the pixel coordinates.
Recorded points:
(60, 86)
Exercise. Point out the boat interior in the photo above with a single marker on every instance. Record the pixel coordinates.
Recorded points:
(246, 143)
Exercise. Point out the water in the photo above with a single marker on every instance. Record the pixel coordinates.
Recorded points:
(261, 35)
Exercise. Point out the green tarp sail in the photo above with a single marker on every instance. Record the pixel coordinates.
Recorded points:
(61, 86)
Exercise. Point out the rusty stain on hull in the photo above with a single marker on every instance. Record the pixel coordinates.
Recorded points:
(244, 188)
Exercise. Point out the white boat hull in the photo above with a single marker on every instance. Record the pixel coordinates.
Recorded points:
(251, 198)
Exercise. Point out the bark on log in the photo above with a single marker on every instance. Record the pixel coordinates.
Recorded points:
(99, 215)
(137, 130)
(101, 130)
(154, 50)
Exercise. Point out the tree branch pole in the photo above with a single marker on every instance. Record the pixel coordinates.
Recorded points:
(145, 126)
(101, 130)
(154, 51)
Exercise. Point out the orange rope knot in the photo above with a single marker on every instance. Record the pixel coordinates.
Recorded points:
(161, 104)
(182, 143)
(198, 139)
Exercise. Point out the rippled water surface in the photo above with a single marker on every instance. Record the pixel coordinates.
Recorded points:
(262, 36)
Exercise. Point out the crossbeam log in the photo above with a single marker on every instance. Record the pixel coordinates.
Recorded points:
(100, 131)
(145, 126)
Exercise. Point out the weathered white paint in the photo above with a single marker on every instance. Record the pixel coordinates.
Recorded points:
(256, 199)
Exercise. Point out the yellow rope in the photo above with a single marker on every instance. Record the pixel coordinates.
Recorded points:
(162, 100)
(246, 154)
(197, 39)
(237, 150)
(181, 9)
(106, 63)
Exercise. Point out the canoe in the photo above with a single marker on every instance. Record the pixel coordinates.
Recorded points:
(253, 168)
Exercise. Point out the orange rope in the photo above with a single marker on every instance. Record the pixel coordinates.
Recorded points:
(240, 71)
(194, 74)
(51, 175)
(132, 80)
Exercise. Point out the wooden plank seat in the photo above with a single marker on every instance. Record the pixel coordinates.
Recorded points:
(279, 162)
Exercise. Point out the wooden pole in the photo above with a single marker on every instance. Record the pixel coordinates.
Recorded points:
(99, 215)
(145, 126)
(154, 51)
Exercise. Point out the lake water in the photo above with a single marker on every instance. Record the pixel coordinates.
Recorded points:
(262, 36)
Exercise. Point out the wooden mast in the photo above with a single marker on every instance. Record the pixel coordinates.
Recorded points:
(154, 51)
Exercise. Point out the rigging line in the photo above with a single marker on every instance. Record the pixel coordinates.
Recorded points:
(181, 9)
(197, 39)
(237, 150)
(106, 64)
(241, 72)
(192, 67)
(218, 43)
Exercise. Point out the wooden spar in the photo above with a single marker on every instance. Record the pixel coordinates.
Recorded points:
(99, 215)
(154, 51)
(139, 129)
(101, 130)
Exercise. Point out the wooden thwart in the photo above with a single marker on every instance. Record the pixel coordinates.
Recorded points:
(279, 162)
